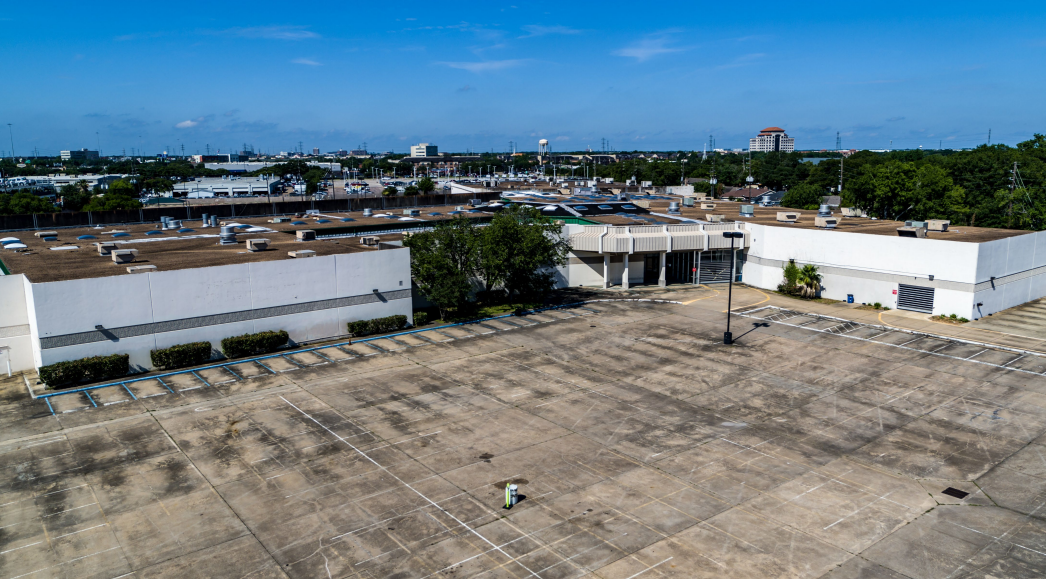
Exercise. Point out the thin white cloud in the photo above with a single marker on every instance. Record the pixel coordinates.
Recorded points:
(743, 60)
(647, 48)
(485, 65)
(306, 61)
(188, 124)
(533, 30)
(271, 32)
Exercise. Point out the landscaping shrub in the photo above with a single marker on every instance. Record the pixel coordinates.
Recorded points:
(421, 318)
(181, 355)
(63, 374)
(248, 344)
(377, 325)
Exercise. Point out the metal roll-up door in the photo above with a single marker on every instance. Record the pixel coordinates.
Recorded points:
(915, 298)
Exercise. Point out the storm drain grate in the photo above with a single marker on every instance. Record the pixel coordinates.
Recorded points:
(954, 492)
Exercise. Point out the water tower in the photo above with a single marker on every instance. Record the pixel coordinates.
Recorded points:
(543, 149)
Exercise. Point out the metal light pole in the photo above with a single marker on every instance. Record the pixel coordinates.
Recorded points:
(728, 338)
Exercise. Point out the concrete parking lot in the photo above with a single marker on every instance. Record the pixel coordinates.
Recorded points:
(642, 446)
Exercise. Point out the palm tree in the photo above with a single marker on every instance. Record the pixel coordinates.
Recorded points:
(809, 281)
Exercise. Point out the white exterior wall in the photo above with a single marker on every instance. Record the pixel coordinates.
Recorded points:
(871, 266)
(75, 306)
(15, 332)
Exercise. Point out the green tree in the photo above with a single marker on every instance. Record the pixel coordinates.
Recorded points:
(120, 195)
(23, 203)
(410, 190)
(426, 185)
(75, 195)
(443, 262)
(809, 281)
(803, 196)
(518, 251)
(389, 191)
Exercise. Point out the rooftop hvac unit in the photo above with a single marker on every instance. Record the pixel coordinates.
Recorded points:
(938, 224)
(280, 220)
(708, 206)
(851, 212)
(747, 210)
(302, 253)
(714, 218)
(369, 240)
(141, 268)
(919, 232)
(826, 222)
(46, 233)
(642, 204)
(257, 244)
(105, 248)
(689, 201)
(788, 216)
(305, 235)
(412, 212)
(124, 255)
(921, 224)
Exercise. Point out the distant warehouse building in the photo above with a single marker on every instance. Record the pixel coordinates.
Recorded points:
(81, 155)
(230, 187)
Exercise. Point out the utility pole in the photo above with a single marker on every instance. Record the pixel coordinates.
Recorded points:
(838, 142)
(12, 133)
(841, 159)
(1013, 191)
(989, 137)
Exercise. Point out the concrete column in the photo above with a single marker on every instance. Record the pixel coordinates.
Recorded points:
(606, 270)
(624, 276)
(662, 281)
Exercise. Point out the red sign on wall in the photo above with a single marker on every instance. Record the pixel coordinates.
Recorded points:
(894, 292)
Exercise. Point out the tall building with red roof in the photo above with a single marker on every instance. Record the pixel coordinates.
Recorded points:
(772, 139)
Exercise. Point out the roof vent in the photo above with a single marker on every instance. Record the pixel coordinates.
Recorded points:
(826, 222)
(105, 248)
(257, 244)
(280, 220)
(302, 253)
(938, 224)
(673, 207)
(919, 232)
(46, 233)
(369, 240)
(305, 235)
(851, 212)
(788, 216)
(824, 211)
(124, 255)
(714, 218)
(141, 268)
(228, 235)
(708, 206)
(367, 212)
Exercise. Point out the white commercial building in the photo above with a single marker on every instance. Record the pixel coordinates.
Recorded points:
(939, 276)
(227, 187)
(312, 299)
(772, 139)
(424, 150)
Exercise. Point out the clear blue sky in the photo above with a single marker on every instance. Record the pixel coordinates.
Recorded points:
(476, 75)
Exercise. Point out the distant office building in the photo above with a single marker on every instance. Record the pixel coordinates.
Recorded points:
(359, 153)
(315, 150)
(772, 139)
(424, 150)
(81, 155)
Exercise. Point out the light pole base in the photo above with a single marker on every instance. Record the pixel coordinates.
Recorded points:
(728, 338)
